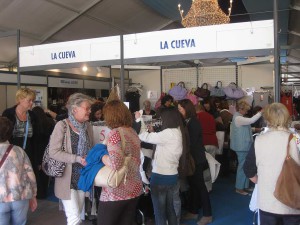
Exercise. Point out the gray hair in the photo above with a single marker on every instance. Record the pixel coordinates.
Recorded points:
(76, 99)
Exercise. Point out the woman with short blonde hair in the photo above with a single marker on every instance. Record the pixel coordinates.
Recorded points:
(276, 115)
(264, 164)
(240, 141)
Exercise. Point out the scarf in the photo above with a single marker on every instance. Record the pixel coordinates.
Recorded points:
(84, 141)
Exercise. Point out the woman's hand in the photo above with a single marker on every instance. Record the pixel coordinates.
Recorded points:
(106, 160)
(137, 115)
(33, 204)
(81, 160)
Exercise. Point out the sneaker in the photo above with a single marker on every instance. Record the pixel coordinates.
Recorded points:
(205, 220)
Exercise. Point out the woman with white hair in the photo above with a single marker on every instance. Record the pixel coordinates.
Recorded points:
(70, 141)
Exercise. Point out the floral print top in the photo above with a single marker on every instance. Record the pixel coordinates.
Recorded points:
(17, 179)
(133, 186)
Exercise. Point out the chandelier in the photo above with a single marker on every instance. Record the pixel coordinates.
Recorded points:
(204, 13)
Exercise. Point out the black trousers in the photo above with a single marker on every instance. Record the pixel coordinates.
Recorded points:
(267, 218)
(117, 212)
(198, 194)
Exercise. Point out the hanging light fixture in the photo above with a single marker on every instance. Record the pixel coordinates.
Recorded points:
(204, 13)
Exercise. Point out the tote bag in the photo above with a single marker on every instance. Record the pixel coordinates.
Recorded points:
(217, 91)
(287, 189)
(232, 91)
(178, 92)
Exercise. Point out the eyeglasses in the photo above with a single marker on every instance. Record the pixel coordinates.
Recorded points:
(85, 108)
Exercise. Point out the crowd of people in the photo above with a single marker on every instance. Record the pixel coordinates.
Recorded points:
(185, 129)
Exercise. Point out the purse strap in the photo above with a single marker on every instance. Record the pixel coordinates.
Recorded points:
(217, 84)
(288, 156)
(5, 155)
(181, 84)
(26, 131)
(206, 86)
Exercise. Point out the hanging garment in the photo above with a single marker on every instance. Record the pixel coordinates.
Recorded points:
(287, 100)
(134, 100)
(260, 98)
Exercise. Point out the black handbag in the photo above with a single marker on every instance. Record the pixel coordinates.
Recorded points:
(52, 167)
(202, 92)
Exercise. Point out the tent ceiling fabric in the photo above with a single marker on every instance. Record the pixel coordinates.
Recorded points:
(48, 21)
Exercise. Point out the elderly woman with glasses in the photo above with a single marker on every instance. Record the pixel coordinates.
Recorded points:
(70, 142)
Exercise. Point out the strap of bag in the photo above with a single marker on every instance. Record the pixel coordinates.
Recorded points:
(5, 155)
(288, 147)
(26, 131)
(181, 84)
(204, 84)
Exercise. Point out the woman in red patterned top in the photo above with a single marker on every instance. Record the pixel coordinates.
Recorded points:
(118, 205)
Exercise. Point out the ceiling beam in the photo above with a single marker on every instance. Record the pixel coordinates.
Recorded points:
(68, 21)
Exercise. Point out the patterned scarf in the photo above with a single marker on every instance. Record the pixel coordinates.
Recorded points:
(84, 141)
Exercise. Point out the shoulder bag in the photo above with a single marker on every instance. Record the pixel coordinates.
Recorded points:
(110, 178)
(178, 92)
(232, 91)
(202, 92)
(52, 167)
(217, 90)
(287, 189)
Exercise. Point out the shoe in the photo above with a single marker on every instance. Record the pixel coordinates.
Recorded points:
(205, 220)
(190, 216)
(241, 192)
(249, 189)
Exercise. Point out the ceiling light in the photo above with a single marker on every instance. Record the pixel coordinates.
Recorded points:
(84, 68)
(204, 13)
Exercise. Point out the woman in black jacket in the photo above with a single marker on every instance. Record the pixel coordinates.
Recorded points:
(198, 191)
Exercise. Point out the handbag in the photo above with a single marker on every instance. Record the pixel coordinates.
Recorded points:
(52, 167)
(110, 178)
(217, 90)
(288, 183)
(178, 92)
(232, 91)
(5, 155)
(193, 98)
(202, 92)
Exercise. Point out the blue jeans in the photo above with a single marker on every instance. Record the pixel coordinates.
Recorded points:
(242, 181)
(163, 204)
(14, 213)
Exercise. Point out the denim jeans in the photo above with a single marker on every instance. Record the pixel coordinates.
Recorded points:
(163, 204)
(14, 213)
(242, 181)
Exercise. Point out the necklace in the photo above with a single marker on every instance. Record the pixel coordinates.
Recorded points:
(21, 116)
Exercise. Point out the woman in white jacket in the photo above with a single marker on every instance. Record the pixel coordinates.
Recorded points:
(169, 147)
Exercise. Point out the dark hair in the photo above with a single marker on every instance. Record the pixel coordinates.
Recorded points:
(94, 108)
(116, 114)
(171, 118)
(6, 129)
(189, 108)
(45, 124)
(166, 98)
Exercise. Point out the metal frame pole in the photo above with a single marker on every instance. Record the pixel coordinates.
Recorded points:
(277, 74)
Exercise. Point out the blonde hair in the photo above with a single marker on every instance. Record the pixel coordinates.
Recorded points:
(242, 105)
(24, 93)
(276, 115)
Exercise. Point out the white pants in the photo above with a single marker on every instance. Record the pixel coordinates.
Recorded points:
(74, 206)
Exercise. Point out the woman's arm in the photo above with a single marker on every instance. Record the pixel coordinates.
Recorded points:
(240, 120)
(56, 142)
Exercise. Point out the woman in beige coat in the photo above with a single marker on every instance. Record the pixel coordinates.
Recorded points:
(70, 141)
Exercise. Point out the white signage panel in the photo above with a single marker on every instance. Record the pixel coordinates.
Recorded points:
(65, 82)
(71, 52)
(207, 39)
